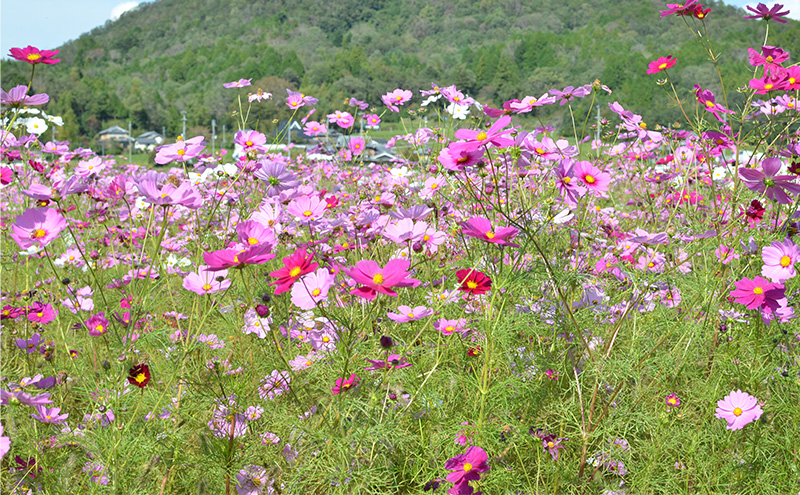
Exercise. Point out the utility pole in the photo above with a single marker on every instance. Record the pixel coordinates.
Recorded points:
(130, 143)
(164, 131)
(183, 112)
(597, 134)
(213, 136)
(223, 136)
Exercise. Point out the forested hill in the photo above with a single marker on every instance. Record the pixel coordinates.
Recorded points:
(173, 55)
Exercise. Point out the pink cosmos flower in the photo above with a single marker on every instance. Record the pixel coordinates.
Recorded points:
(182, 151)
(478, 139)
(432, 186)
(396, 97)
(407, 313)
(393, 361)
(467, 466)
(37, 227)
(707, 99)
(252, 232)
(185, 194)
(239, 256)
(769, 57)
(97, 324)
(448, 327)
(405, 230)
(18, 95)
(673, 400)
(679, 8)
(738, 409)
(372, 119)
(766, 181)
(779, 260)
(241, 83)
(250, 140)
(314, 128)
(458, 160)
(342, 119)
(767, 84)
(33, 55)
(42, 313)
(481, 228)
(659, 64)
(306, 209)
(49, 415)
(312, 289)
(595, 180)
(768, 13)
(758, 292)
(570, 93)
(295, 266)
(356, 145)
(529, 103)
(351, 382)
(725, 254)
(377, 279)
(297, 100)
(206, 282)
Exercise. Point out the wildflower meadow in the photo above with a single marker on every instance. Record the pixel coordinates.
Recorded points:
(507, 306)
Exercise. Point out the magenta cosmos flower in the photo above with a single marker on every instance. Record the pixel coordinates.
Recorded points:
(239, 256)
(295, 266)
(779, 260)
(474, 140)
(377, 279)
(396, 97)
(97, 324)
(467, 466)
(766, 181)
(393, 361)
(351, 382)
(758, 292)
(481, 228)
(37, 227)
(659, 64)
(33, 55)
(773, 13)
(738, 409)
(679, 8)
(672, 400)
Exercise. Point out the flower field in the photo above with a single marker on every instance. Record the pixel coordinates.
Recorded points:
(505, 307)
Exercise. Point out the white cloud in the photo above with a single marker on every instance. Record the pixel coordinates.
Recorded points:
(122, 8)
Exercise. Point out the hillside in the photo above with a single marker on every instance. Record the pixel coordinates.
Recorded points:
(173, 55)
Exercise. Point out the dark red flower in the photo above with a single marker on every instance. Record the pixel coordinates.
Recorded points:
(473, 281)
(139, 375)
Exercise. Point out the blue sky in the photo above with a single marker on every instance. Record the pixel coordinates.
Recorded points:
(47, 24)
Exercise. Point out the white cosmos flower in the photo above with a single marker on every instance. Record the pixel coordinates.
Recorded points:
(459, 112)
(35, 125)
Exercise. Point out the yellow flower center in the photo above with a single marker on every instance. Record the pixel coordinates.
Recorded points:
(769, 59)
(249, 143)
(307, 213)
(589, 179)
(326, 339)
(566, 180)
(38, 234)
(758, 290)
(472, 285)
(467, 466)
(410, 315)
(481, 136)
(663, 66)
(710, 104)
(786, 261)
(309, 363)
(295, 271)
(181, 152)
(768, 87)
(252, 241)
(33, 57)
(40, 314)
(377, 279)
(671, 401)
(737, 411)
(449, 329)
(206, 287)
(99, 328)
(315, 292)
(434, 186)
(140, 378)
(550, 445)
(490, 235)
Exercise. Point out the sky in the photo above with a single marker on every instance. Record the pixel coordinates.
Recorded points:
(47, 24)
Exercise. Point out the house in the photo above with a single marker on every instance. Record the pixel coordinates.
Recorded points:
(148, 141)
(114, 134)
(286, 130)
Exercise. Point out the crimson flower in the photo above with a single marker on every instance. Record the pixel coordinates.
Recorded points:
(33, 55)
(295, 266)
(659, 64)
(473, 281)
(139, 375)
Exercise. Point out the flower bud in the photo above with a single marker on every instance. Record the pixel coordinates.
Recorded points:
(262, 310)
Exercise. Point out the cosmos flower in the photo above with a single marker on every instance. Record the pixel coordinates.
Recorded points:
(376, 279)
(33, 55)
(659, 64)
(351, 382)
(241, 83)
(18, 96)
(37, 227)
(139, 375)
(467, 467)
(779, 260)
(767, 181)
(481, 228)
(473, 282)
(773, 13)
(738, 409)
